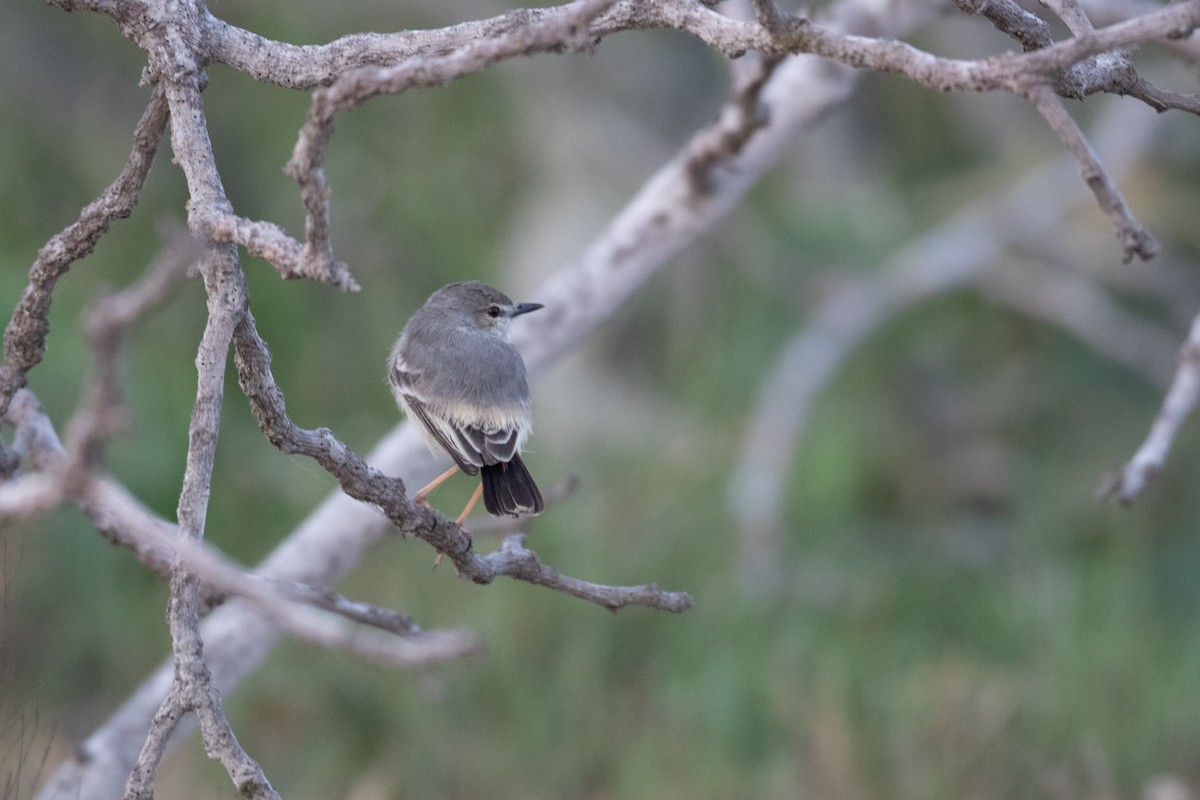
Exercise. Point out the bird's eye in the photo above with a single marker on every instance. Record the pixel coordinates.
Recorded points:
(494, 311)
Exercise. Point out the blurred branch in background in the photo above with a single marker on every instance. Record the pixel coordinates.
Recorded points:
(156, 542)
(975, 249)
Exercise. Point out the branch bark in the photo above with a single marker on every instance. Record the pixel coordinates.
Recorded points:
(192, 688)
(157, 543)
(1127, 483)
(25, 335)
(1135, 239)
(779, 100)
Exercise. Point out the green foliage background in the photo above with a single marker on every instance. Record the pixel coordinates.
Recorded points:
(931, 637)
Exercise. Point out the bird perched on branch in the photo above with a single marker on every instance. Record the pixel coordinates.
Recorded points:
(459, 379)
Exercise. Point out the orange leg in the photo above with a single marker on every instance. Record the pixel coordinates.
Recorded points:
(420, 496)
(461, 517)
(470, 504)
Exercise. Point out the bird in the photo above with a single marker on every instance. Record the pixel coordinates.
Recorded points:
(457, 376)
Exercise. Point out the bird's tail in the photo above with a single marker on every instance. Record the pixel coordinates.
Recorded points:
(509, 490)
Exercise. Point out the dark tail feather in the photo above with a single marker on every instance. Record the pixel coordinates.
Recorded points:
(509, 490)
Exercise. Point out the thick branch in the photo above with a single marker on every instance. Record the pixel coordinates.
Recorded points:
(192, 688)
(361, 481)
(309, 66)
(1029, 29)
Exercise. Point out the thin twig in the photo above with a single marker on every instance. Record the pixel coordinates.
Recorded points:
(361, 481)
(566, 30)
(25, 336)
(958, 252)
(1135, 239)
(1164, 99)
(1131, 480)
(517, 561)
(106, 325)
(128, 523)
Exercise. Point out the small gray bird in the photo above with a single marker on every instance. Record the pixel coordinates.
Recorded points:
(458, 377)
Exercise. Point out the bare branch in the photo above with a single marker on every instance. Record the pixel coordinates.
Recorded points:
(106, 324)
(192, 688)
(25, 336)
(1133, 478)
(362, 481)
(29, 495)
(1164, 99)
(1029, 29)
(740, 119)
(516, 561)
(278, 601)
(272, 243)
(129, 524)
(1072, 14)
(305, 67)
(162, 725)
(1012, 72)
(310, 66)
(1135, 239)
(668, 215)
(384, 619)
(959, 252)
(566, 30)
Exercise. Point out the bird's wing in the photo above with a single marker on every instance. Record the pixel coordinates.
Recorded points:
(469, 460)
(401, 377)
(494, 446)
(471, 446)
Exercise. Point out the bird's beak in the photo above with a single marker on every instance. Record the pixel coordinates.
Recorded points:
(525, 308)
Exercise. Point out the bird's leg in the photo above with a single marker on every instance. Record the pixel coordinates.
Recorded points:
(420, 496)
(470, 504)
(461, 517)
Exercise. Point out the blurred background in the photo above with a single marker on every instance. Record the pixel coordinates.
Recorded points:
(933, 605)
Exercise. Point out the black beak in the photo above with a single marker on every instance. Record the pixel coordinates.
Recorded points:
(525, 308)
